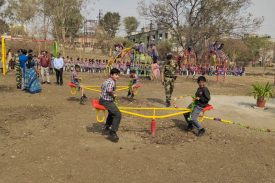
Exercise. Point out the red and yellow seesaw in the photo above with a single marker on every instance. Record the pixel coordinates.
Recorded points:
(153, 117)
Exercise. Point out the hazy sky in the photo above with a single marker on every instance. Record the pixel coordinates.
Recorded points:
(265, 8)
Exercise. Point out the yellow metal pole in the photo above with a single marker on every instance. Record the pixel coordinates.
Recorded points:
(4, 56)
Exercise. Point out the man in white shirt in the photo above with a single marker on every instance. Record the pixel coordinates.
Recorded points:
(58, 67)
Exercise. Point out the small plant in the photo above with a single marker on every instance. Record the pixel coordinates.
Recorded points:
(262, 93)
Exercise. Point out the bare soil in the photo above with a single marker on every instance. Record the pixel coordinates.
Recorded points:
(50, 137)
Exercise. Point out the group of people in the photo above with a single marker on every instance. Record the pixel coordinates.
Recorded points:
(199, 69)
(33, 70)
(169, 75)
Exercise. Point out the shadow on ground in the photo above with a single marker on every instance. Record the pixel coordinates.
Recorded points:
(156, 100)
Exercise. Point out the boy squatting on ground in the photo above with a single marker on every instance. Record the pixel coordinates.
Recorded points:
(201, 100)
(76, 79)
(107, 98)
(133, 84)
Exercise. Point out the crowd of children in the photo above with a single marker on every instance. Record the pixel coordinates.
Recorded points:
(191, 70)
(99, 66)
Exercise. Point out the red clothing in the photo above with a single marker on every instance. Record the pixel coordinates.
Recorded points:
(45, 61)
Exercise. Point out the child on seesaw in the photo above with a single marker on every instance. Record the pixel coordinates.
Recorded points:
(107, 99)
(202, 97)
(76, 79)
(133, 84)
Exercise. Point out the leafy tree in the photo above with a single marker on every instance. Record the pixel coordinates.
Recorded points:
(131, 24)
(258, 46)
(21, 11)
(65, 17)
(193, 22)
(111, 23)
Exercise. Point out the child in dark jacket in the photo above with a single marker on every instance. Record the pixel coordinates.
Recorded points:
(202, 97)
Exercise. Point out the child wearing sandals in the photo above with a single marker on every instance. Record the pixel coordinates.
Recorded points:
(76, 79)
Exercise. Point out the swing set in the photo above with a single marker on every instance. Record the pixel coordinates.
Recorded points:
(8, 41)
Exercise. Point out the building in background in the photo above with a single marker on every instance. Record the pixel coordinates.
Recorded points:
(151, 34)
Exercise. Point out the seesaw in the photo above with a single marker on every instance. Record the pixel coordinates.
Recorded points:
(153, 117)
(92, 88)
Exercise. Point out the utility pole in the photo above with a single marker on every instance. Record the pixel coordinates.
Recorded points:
(99, 15)
(150, 34)
(84, 36)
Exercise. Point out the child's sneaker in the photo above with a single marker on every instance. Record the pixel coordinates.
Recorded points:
(113, 136)
(201, 132)
(105, 130)
(81, 101)
(190, 127)
(168, 103)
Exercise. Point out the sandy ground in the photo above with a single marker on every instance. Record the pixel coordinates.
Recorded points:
(49, 137)
(240, 109)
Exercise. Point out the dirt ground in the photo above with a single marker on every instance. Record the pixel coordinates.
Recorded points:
(49, 137)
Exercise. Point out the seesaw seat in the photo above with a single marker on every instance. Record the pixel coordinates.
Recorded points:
(97, 105)
(208, 108)
(72, 85)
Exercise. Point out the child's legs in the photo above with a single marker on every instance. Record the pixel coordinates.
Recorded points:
(114, 115)
(109, 119)
(186, 116)
(195, 115)
(134, 88)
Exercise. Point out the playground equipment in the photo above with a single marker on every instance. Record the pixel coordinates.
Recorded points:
(4, 64)
(153, 117)
(133, 90)
(92, 88)
(138, 61)
(54, 47)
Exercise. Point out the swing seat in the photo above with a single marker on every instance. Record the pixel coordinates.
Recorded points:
(97, 105)
(208, 108)
(72, 85)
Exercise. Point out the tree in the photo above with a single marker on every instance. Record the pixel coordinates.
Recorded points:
(131, 24)
(110, 23)
(258, 46)
(21, 11)
(2, 2)
(4, 27)
(18, 31)
(65, 17)
(193, 22)
(164, 47)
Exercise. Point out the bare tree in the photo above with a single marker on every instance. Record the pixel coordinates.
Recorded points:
(193, 22)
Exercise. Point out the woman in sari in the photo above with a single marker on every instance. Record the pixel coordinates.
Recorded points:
(31, 77)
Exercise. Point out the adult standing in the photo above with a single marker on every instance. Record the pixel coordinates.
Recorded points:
(23, 58)
(32, 77)
(58, 67)
(45, 68)
(169, 77)
(18, 70)
(9, 60)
